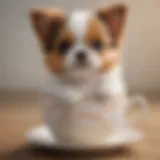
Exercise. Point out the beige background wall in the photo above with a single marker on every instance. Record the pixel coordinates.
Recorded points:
(21, 64)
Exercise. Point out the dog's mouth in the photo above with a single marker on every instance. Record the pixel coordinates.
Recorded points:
(82, 65)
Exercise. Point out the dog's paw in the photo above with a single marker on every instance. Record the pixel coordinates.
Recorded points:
(40, 136)
(73, 98)
(101, 95)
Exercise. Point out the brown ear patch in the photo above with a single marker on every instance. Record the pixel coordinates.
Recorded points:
(114, 19)
(47, 23)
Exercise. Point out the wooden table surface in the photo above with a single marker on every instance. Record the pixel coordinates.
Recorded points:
(18, 117)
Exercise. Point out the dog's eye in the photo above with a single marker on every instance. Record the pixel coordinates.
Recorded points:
(64, 46)
(97, 45)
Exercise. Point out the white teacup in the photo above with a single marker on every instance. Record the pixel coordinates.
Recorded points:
(91, 123)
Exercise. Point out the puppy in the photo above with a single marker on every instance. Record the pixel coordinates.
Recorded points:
(82, 52)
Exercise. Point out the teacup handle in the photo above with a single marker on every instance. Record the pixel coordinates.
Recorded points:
(140, 112)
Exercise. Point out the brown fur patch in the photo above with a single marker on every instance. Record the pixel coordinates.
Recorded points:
(49, 26)
(55, 62)
(64, 35)
(109, 58)
(55, 59)
(114, 19)
(47, 23)
(96, 31)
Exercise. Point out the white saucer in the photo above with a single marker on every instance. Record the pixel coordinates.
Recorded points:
(42, 137)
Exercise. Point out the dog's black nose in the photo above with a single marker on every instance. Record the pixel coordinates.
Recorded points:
(81, 56)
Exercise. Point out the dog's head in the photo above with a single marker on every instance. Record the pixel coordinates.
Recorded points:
(84, 41)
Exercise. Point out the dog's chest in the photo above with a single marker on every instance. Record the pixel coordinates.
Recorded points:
(94, 92)
(90, 96)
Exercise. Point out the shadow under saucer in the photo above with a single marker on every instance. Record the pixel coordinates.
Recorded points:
(29, 153)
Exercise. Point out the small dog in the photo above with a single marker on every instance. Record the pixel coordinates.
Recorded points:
(82, 53)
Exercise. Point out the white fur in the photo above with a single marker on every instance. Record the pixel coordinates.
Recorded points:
(112, 83)
(78, 23)
(107, 84)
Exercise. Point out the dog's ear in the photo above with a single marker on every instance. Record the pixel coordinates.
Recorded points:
(114, 20)
(46, 23)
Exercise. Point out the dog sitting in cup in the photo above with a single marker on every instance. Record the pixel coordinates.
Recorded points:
(80, 49)
(82, 52)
